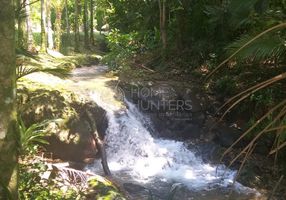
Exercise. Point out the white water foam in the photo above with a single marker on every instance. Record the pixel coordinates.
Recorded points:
(131, 147)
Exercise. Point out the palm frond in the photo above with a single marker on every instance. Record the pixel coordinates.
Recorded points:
(72, 175)
(246, 45)
(59, 72)
(268, 46)
(235, 100)
(257, 123)
(275, 120)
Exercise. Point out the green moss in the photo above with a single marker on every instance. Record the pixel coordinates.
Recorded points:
(103, 189)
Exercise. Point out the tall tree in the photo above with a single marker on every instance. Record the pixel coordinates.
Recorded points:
(85, 24)
(76, 26)
(49, 25)
(8, 115)
(43, 27)
(163, 32)
(91, 22)
(67, 22)
(58, 6)
(20, 24)
(29, 25)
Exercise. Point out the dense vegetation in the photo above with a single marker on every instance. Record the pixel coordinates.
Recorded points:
(236, 48)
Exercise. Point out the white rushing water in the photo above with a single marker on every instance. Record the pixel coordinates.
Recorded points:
(132, 148)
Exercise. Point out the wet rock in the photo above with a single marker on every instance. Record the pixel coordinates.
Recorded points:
(136, 191)
(78, 143)
(175, 111)
(226, 135)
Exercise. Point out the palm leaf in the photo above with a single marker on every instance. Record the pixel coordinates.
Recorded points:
(269, 46)
(59, 72)
(246, 45)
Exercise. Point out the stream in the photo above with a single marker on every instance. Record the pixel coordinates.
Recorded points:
(149, 166)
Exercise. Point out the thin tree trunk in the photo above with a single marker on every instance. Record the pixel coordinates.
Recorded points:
(67, 22)
(99, 143)
(181, 29)
(29, 26)
(8, 115)
(91, 23)
(76, 27)
(85, 25)
(49, 25)
(43, 27)
(58, 31)
(162, 9)
(20, 26)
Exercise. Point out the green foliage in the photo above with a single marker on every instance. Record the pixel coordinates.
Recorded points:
(99, 18)
(32, 135)
(33, 186)
(267, 47)
(263, 99)
(104, 190)
(125, 46)
(59, 72)
(225, 86)
(37, 38)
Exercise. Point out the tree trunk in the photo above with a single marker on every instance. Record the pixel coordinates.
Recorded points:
(99, 143)
(85, 25)
(181, 29)
(67, 23)
(163, 33)
(49, 25)
(43, 27)
(8, 115)
(29, 26)
(20, 25)
(76, 27)
(91, 23)
(58, 30)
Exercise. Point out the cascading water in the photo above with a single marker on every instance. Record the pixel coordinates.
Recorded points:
(132, 150)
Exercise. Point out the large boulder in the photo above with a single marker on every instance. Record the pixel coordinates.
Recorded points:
(70, 133)
(176, 111)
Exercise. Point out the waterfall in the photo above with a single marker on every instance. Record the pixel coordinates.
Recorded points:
(134, 153)
(132, 148)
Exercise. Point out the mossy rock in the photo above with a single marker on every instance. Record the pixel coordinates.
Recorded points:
(70, 137)
(38, 102)
(103, 189)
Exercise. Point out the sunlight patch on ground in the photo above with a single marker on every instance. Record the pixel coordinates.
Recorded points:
(47, 79)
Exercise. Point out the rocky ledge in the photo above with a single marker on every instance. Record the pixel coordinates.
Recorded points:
(70, 132)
